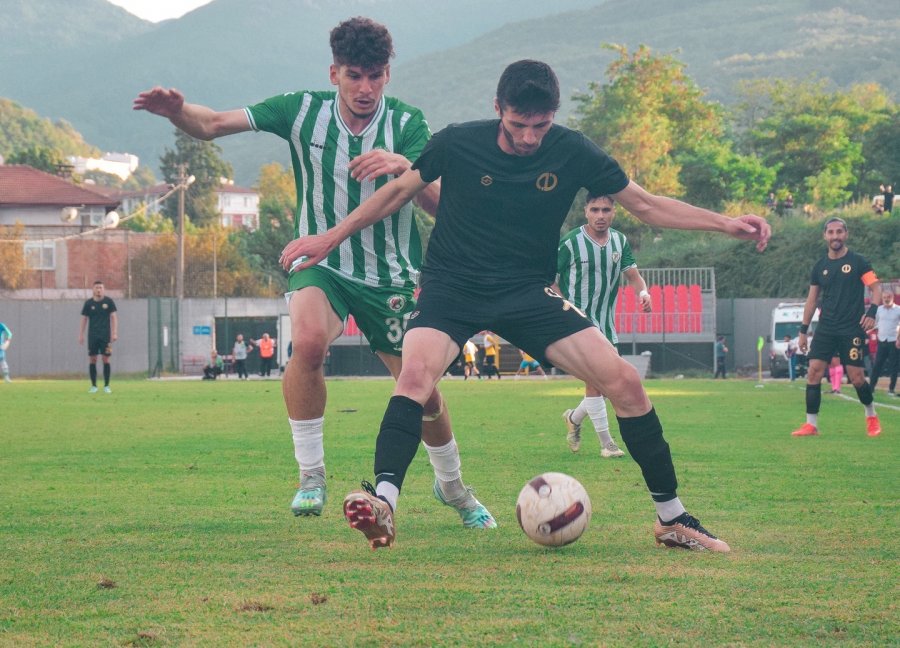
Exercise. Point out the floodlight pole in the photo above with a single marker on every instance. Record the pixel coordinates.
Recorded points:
(179, 270)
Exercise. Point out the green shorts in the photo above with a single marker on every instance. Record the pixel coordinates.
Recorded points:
(380, 313)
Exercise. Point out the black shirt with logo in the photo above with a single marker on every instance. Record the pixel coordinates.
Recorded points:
(841, 292)
(499, 214)
(98, 313)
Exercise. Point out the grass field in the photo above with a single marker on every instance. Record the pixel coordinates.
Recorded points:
(158, 516)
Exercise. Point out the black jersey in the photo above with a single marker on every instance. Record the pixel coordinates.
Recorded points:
(842, 292)
(499, 214)
(98, 313)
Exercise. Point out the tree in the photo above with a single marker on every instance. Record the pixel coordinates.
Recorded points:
(814, 137)
(22, 129)
(203, 161)
(42, 158)
(12, 256)
(213, 264)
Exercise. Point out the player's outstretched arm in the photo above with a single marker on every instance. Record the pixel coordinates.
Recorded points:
(660, 211)
(381, 204)
(197, 121)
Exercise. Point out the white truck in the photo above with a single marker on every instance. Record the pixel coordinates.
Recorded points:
(786, 320)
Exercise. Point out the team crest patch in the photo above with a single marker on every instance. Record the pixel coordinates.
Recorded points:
(616, 256)
(396, 303)
(546, 181)
(846, 268)
(104, 307)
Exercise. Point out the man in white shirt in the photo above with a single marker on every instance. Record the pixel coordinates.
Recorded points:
(887, 319)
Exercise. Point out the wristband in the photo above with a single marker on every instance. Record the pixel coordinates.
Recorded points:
(804, 328)
(643, 294)
(871, 311)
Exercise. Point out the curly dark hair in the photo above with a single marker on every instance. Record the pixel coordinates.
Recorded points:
(361, 42)
(529, 87)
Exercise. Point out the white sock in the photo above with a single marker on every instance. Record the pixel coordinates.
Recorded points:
(308, 447)
(668, 511)
(389, 492)
(578, 414)
(870, 409)
(445, 461)
(813, 419)
(596, 409)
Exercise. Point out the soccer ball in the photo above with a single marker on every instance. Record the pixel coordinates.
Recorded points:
(553, 509)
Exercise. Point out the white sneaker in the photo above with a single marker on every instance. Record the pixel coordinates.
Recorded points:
(573, 431)
(107, 390)
(93, 389)
(611, 450)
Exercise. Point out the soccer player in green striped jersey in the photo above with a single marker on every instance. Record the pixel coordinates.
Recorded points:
(592, 260)
(344, 144)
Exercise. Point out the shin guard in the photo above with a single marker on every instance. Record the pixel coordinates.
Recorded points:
(398, 440)
(643, 436)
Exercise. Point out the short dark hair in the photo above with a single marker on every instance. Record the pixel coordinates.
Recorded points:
(592, 197)
(99, 281)
(835, 219)
(363, 42)
(529, 87)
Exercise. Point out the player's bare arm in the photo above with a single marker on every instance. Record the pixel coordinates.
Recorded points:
(197, 121)
(660, 211)
(379, 162)
(812, 298)
(114, 327)
(383, 203)
(84, 321)
(637, 283)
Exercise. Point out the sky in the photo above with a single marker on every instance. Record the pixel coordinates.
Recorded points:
(156, 10)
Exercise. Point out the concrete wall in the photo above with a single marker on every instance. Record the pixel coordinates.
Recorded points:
(45, 336)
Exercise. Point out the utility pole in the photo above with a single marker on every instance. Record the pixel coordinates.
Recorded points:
(179, 270)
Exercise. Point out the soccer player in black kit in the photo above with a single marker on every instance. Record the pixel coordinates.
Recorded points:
(513, 180)
(99, 317)
(839, 280)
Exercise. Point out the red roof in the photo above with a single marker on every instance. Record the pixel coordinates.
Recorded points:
(22, 185)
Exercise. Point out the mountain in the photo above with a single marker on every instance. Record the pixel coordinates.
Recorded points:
(85, 60)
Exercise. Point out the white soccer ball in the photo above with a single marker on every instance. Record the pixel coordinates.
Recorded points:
(553, 509)
(111, 220)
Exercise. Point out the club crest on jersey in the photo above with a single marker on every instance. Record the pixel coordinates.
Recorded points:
(487, 180)
(546, 181)
(396, 303)
(616, 256)
(846, 268)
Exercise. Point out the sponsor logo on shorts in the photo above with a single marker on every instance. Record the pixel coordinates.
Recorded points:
(396, 303)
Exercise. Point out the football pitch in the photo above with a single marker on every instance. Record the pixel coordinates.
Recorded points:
(159, 516)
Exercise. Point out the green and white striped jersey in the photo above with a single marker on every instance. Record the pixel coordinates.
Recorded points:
(388, 253)
(588, 275)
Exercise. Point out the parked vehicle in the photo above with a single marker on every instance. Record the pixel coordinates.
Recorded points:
(786, 320)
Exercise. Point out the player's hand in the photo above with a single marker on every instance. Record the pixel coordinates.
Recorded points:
(376, 163)
(867, 323)
(752, 228)
(646, 303)
(802, 342)
(303, 252)
(160, 101)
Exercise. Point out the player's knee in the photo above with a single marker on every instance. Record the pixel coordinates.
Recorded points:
(309, 352)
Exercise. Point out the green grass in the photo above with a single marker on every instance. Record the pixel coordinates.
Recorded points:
(175, 496)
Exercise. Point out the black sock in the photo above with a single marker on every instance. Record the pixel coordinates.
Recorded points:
(398, 440)
(92, 372)
(813, 398)
(106, 371)
(643, 436)
(865, 394)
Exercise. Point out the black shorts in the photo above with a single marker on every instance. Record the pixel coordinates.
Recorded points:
(99, 346)
(848, 346)
(530, 316)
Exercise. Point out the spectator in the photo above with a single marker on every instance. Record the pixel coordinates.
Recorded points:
(888, 205)
(721, 353)
(215, 368)
(266, 347)
(240, 351)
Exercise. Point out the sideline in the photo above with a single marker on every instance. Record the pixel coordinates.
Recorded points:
(854, 399)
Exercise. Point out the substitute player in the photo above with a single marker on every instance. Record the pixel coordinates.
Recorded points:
(513, 179)
(838, 282)
(592, 260)
(99, 318)
(344, 145)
